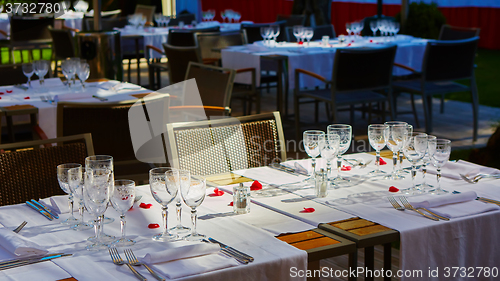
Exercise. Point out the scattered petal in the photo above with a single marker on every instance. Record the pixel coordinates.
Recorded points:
(2, 93)
(230, 203)
(217, 192)
(153, 225)
(346, 168)
(393, 189)
(301, 43)
(131, 208)
(26, 98)
(308, 210)
(371, 41)
(256, 185)
(8, 91)
(382, 161)
(348, 45)
(145, 206)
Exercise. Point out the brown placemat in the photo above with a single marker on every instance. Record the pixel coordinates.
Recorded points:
(19, 107)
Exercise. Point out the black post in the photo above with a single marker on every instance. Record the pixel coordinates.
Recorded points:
(379, 8)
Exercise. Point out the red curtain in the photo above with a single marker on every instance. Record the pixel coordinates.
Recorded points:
(488, 19)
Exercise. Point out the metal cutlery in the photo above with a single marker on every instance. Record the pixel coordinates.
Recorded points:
(226, 252)
(40, 210)
(115, 257)
(52, 213)
(248, 257)
(20, 86)
(282, 168)
(405, 202)
(20, 262)
(21, 226)
(100, 98)
(134, 261)
(408, 206)
(398, 207)
(476, 178)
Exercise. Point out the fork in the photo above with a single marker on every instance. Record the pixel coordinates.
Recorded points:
(398, 207)
(17, 229)
(410, 207)
(115, 257)
(134, 261)
(478, 177)
(405, 202)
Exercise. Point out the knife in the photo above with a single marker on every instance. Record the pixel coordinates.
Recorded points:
(54, 215)
(280, 168)
(32, 261)
(250, 258)
(41, 211)
(30, 258)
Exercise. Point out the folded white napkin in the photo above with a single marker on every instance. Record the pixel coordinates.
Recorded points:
(48, 83)
(72, 96)
(453, 170)
(257, 48)
(19, 245)
(194, 266)
(117, 85)
(181, 252)
(59, 204)
(456, 205)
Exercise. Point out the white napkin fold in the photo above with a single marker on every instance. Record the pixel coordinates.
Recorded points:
(194, 266)
(453, 170)
(456, 205)
(72, 96)
(19, 245)
(181, 252)
(59, 204)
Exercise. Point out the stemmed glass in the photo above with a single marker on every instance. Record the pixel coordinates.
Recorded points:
(377, 137)
(164, 185)
(395, 137)
(96, 195)
(345, 133)
(298, 30)
(374, 27)
(223, 16)
(122, 200)
(329, 147)
(83, 71)
(184, 175)
(414, 149)
(41, 69)
(348, 28)
(308, 34)
(76, 180)
(28, 71)
(426, 160)
(439, 151)
(275, 29)
(68, 68)
(193, 193)
(63, 179)
(312, 140)
(266, 34)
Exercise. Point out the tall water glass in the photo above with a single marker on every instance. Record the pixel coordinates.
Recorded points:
(344, 132)
(329, 147)
(83, 71)
(395, 137)
(122, 200)
(28, 71)
(76, 180)
(374, 27)
(193, 193)
(426, 161)
(414, 149)
(377, 134)
(439, 151)
(41, 69)
(184, 175)
(164, 185)
(312, 139)
(297, 32)
(63, 179)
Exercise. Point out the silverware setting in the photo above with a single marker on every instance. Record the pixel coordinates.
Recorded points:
(285, 169)
(40, 210)
(232, 250)
(409, 206)
(476, 178)
(358, 162)
(398, 207)
(134, 261)
(115, 257)
(30, 260)
(21, 226)
(52, 213)
(229, 253)
(100, 98)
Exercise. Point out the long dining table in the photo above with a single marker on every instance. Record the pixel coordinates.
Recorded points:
(442, 249)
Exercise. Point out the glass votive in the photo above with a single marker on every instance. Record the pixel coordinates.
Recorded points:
(321, 184)
(241, 199)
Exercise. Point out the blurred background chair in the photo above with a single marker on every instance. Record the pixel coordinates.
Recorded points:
(292, 20)
(253, 30)
(107, 23)
(178, 59)
(449, 32)
(63, 46)
(359, 76)
(28, 169)
(186, 37)
(147, 11)
(155, 67)
(185, 18)
(444, 63)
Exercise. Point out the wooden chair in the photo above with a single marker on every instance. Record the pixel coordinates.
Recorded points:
(109, 124)
(223, 145)
(443, 63)
(178, 61)
(28, 171)
(358, 77)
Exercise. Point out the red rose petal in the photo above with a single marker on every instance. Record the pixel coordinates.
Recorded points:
(230, 204)
(308, 210)
(0, 98)
(346, 168)
(131, 208)
(153, 225)
(371, 41)
(256, 185)
(145, 206)
(349, 44)
(393, 189)
(300, 43)
(217, 192)
(26, 98)
(2, 93)
(382, 161)
(8, 91)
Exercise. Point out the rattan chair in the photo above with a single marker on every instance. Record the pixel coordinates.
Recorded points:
(359, 76)
(443, 63)
(28, 171)
(223, 145)
(449, 32)
(109, 124)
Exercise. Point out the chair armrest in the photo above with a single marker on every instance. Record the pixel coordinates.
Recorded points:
(406, 67)
(148, 47)
(41, 134)
(312, 74)
(70, 28)
(206, 107)
(212, 61)
(3, 33)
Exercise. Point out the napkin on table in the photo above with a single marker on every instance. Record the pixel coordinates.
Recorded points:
(59, 204)
(19, 245)
(453, 170)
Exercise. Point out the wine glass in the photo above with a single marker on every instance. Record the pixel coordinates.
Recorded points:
(414, 150)
(374, 27)
(377, 137)
(312, 140)
(395, 137)
(345, 133)
(164, 185)
(96, 195)
(348, 28)
(184, 175)
(266, 33)
(308, 34)
(193, 192)
(426, 161)
(276, 32)
(41, 69)
(76, 181)
(62, 178)
(329, 147)
(439, 151)
(223, 16)
(297, 32)
(28, 71)
(122, 200)
(83, 72)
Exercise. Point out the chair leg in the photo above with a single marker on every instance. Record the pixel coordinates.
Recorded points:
(475, 108)
(427, 109)
(158, 79)
(257, 102)
(442, 105)
(316, 113)
(10, 128)
(128, 70)
(414, 110)
(327, 108)
(151, 77)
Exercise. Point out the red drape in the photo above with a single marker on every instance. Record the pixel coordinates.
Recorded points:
(488, 19)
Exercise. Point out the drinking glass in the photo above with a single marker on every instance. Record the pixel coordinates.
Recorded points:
(312, 140)
(426, 161)
(377, 137)
(266, 33)
(76, 181)
(62, 178)
(223, 16)
(414, 149)
(297, 32)
(374, 27)
(122, 200)
(41, 69)
(96, 195)
(329, 147)
(395, 137)
(184, 175)
(164, 185)
(439, 151)
(193, 193)
(276, 32)
(348, 28)
(28, 71)
(83, 72)
(344, 132)
(308, 34)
